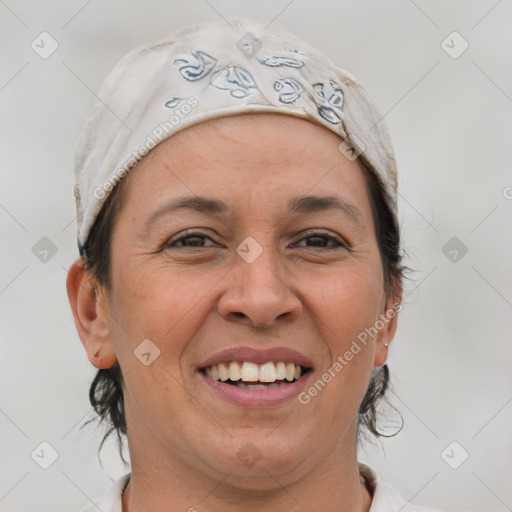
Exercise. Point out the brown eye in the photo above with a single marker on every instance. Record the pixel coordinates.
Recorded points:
(320, 240)
(189, 239)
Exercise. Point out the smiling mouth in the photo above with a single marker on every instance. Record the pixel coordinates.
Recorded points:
(250, 375)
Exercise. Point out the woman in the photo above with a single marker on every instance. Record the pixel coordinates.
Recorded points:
(240, 274)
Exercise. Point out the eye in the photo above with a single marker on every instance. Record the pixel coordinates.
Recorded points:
(188, 238)
(314, 239)
(320, 240)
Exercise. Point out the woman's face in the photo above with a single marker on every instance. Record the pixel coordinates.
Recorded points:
(269, 270)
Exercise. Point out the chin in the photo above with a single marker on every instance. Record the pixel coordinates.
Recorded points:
(254, 460)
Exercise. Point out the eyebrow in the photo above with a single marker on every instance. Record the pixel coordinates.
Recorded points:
(299, 204)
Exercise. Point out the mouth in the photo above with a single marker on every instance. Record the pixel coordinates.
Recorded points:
(252, 378)
(249, 375)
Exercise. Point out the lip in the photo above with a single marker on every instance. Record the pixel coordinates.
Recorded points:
(256, 398)
(258, 356)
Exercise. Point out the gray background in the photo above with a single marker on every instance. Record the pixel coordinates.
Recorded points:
(450, 123)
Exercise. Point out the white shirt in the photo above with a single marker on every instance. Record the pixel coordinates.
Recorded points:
(385, 497)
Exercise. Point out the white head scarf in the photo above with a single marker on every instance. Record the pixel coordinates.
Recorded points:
(210, 70)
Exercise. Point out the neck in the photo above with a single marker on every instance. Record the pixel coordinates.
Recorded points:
(327, 488)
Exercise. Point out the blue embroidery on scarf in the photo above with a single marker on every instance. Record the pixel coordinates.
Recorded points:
(276, 61)
(289, 89)
(236, 80)
(332, 93)
(328, 114)
(173, 103)
(193, 71)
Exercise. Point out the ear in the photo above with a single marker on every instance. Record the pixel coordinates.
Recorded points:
(90, 311)
(388, 320)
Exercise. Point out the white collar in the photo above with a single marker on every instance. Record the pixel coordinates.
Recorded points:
(385, 497)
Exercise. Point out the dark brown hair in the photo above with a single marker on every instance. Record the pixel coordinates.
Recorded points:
(106, 394)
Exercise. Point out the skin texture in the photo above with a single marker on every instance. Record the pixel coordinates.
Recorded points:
(197, 297)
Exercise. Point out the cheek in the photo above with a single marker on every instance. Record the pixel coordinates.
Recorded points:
(348, 301)
(346, 307)
(167, 307)
(162, 304)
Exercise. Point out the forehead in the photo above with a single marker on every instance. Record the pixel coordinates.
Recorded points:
(251, 138)
(269, 157)
(266, 133)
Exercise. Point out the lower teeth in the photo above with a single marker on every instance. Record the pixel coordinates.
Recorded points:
(241, 384)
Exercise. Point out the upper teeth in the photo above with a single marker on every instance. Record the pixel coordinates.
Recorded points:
(251, 372)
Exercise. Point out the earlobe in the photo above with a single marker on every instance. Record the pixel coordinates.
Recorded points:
(389, 322)
(381, 353)
(91, 316)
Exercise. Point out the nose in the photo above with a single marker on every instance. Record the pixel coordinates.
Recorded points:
(259, 293)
